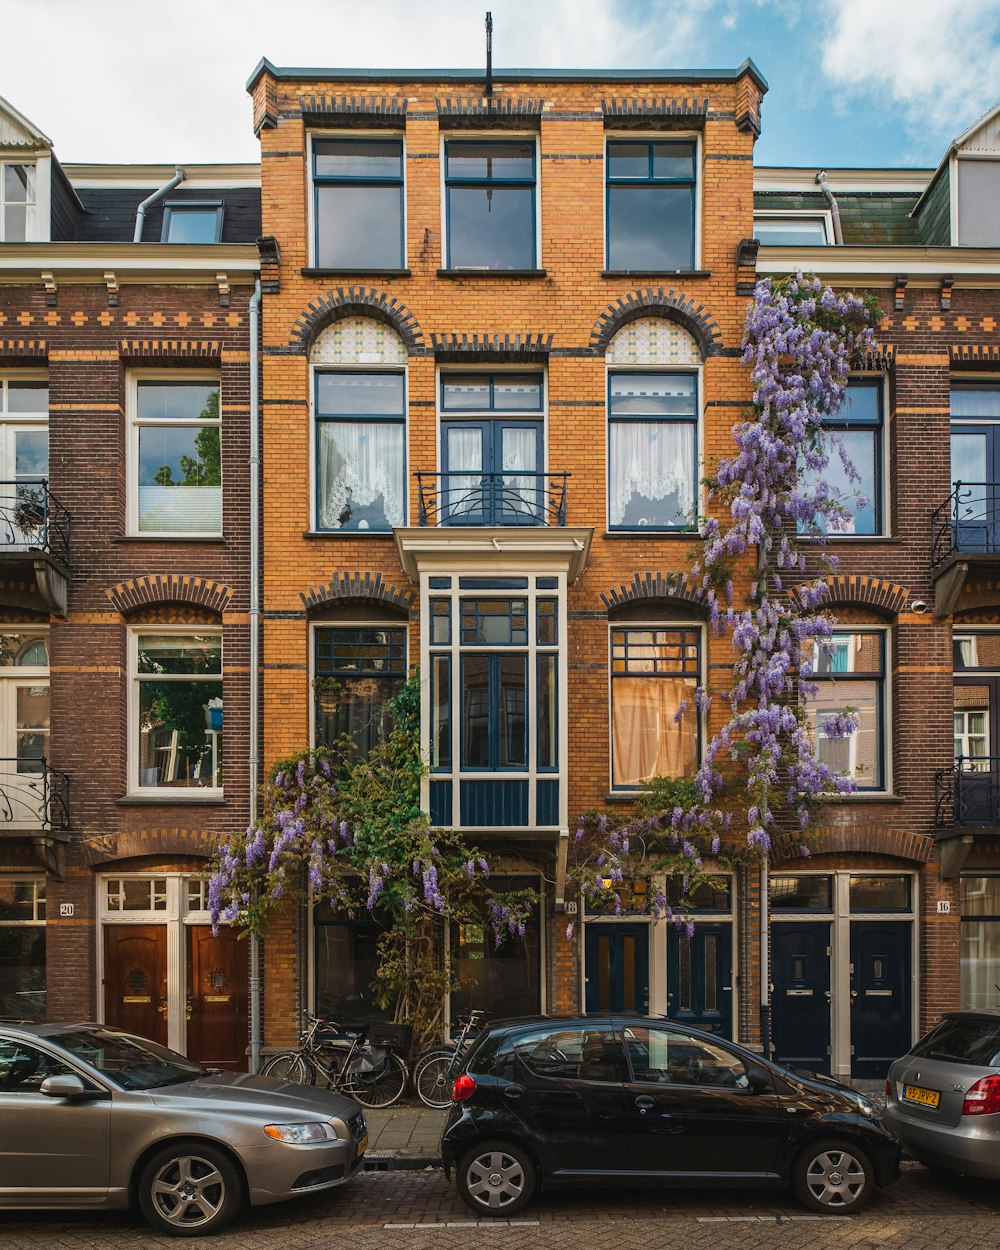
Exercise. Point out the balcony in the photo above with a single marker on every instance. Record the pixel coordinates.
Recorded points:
(965, 534)
(34, 797)
(966, 808)
(491, 499)
(34, 539)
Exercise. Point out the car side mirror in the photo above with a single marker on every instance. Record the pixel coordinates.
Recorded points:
(66, 1086)
(758, 1079)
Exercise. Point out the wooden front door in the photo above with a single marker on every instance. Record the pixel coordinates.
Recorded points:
(217, 1026)
(135, 979)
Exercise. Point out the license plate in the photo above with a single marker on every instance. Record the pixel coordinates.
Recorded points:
(926, 1097)
(362, 1145)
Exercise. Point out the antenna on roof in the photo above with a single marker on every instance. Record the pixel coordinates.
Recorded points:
(489, 53)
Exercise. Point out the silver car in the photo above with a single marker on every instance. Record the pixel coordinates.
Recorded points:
(92, 1117)
(943, 1098)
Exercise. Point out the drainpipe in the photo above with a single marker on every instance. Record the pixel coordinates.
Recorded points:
(765, 962)
(254, 759)
(150, 200)
(824, 186)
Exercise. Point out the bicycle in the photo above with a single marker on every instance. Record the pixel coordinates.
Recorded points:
(345, 1060)
(435, 1071)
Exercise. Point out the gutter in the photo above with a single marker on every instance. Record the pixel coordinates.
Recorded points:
(150, 200)
(824, 186)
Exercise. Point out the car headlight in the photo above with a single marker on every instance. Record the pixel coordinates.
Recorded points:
(302, 1134)
(865, 1107)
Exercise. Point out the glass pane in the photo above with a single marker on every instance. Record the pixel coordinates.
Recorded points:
(652, 474)
(859, 755)
(32, 727)
(180, 480)
(15, 223)
(807, 893)
(547, 712)
(440, 712)
(975, 401)
(673, 160)
(19, 184)
(650, 228)
(861, 449)
(358, 158)
(980, 896)
(971, 1041)
(789, 231)
(491, 228)
(192, 654)
(31, 453)
(514, 392)
(177, 401)
(664, 652)
(709, 896)
(647, 738)
(849, 653)
(497, 975)
(192, 225)
(684, 973)
(22, 972)
(977, 651)
(880, 893)
(359, 394)
(653, 394)
(547, 635)
(361, 475)
(17, 901)
(465, 392)
(378, 652)
(659, 1055)
(346, 953)
(494, 622)
(28, 397)
(513, 696)
(628, 160)
(504, 161)
(862, 404)
(23, 651)
(359, 227)
(355, 708)
(476, 711)
(440, 622)
(711, 973)
(180, 734)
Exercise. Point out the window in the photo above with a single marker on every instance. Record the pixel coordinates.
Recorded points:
(667, 1056)
(978, 189)
(360, 450)
(500, 976)
(652, 450)
(789, 230)
(975, 466)
(24, 726)
(357, 671)
(358, 203)
(24, 1067)
(191, 221)
(176, 448)
(806, 893)
(24, 460)
(850, 674)
(654, 725)
(490, 204)
(651, 204)
(980, 909)
(22, 948)
(588, 1052)
(18, 202)
(858, 427)
(345, 961)
(176, 711)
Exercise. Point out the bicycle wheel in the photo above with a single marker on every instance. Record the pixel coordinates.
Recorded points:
(382, 1090)
(432, 1078)
(290, 1066)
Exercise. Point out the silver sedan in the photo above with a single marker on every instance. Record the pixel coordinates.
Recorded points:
(93, 1117)
(943, 1098)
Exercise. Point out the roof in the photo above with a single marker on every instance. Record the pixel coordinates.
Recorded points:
(953, 147)
(866, 217)
(31, 132)
(264, 66)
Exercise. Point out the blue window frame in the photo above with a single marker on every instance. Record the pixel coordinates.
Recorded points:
(192, 221)
(859, 428)
(651, 188)
(358, 203)
(360, 450)
(490, 204)
(357, 671)
(494, 711)
(652, 450)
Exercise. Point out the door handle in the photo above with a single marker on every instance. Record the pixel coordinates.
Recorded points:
(644, 1102)
(513, 1091)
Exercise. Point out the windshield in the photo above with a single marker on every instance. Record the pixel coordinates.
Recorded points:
(130, 1062)
(963, 1039)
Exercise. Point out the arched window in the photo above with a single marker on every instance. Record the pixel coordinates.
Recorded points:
(359, 396)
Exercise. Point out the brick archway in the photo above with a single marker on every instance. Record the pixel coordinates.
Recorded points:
(159, 843)
(357, 585)
(871, 592)
(356, 302)
(657, 302)
(166, 588)
(661, 587)
(916, 848)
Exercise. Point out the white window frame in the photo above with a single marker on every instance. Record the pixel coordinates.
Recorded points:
(886, 786)
(824, 216)
(134, 424)
(167, 794)
(33, 216)
(38, 898)
(658, 136)
(359, 133)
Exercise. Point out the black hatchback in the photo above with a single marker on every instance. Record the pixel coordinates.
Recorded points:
(633, 1101)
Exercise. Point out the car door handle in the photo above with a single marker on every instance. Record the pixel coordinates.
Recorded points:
(644, 1102)
(513, 1091)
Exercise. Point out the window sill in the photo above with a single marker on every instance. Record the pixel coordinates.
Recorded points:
(373, 273)
(492, 273)
(853, 540)
(624, 796)
(656, 273)
(214, 799)
(168, 538)
(341, 534)
(647, 531)
(864, 797)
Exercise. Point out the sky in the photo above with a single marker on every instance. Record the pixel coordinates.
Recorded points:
(852, 82)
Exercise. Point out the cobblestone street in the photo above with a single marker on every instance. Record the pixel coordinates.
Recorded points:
(417, 1210)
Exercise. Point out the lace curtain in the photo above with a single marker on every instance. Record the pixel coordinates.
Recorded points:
(361, 475)
(652, 473)
(646, 740)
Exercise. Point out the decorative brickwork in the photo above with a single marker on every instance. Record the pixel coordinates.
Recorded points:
(884, 597)
(631, 113)
(14, 350)
(372, 112)
(357, 302)
(140, 844)
(499, 347)
(140, 592)
(657, 302)
(746, 266)
(663, 587)
(971, 354)
(169, 350)
(357, 585)
(917, 848)
(493, 112)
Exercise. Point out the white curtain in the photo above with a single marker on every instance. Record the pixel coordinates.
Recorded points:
(360, 464)
(654, 460)
(464, 494)
(520, 494)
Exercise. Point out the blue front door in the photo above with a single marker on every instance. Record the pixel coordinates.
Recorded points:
(617, 967)
(881, 955)
(800, 1001)
(700, 978)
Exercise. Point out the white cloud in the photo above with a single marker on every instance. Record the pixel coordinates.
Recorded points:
(938, 61)
(121, 80)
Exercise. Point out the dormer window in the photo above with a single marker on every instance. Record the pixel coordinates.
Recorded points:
(791, 230)
(978, 189)
(191, 221)
(17, 202)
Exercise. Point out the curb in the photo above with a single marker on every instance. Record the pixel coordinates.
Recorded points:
(389, 1161)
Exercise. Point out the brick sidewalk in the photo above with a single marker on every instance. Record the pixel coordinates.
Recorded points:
(404, 1137)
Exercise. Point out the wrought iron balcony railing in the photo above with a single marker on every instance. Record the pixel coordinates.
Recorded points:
(968, 793)
(491, 498)
(33, 795)
(968, 522)
(32, 519)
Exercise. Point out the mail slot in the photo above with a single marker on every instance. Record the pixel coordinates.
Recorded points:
(878, 993)
(799, 993)
(136, 998)
(218, 998)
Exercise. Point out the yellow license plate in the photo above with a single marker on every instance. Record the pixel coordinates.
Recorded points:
(926, 1097)
(362, 1145)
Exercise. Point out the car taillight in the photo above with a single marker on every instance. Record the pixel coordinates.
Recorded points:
(463, 1088)
(983, 1098)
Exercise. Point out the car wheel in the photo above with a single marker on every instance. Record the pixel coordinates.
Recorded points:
(832, 1177)
(496, 1178)
(191, 1187)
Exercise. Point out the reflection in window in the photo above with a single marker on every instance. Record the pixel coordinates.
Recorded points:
(179, 712)
(666, 1056)
(980, 909)
(654, 672)
(500, 976)
(806, 893)
(850, 675)
(790, 231)
(358, 671)
(490, 204)
(652, 436)
(358, 205)
(22, 948)
(346, 959)
(857, 430)
(179, 457)
(192, 222)
(651, 204)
